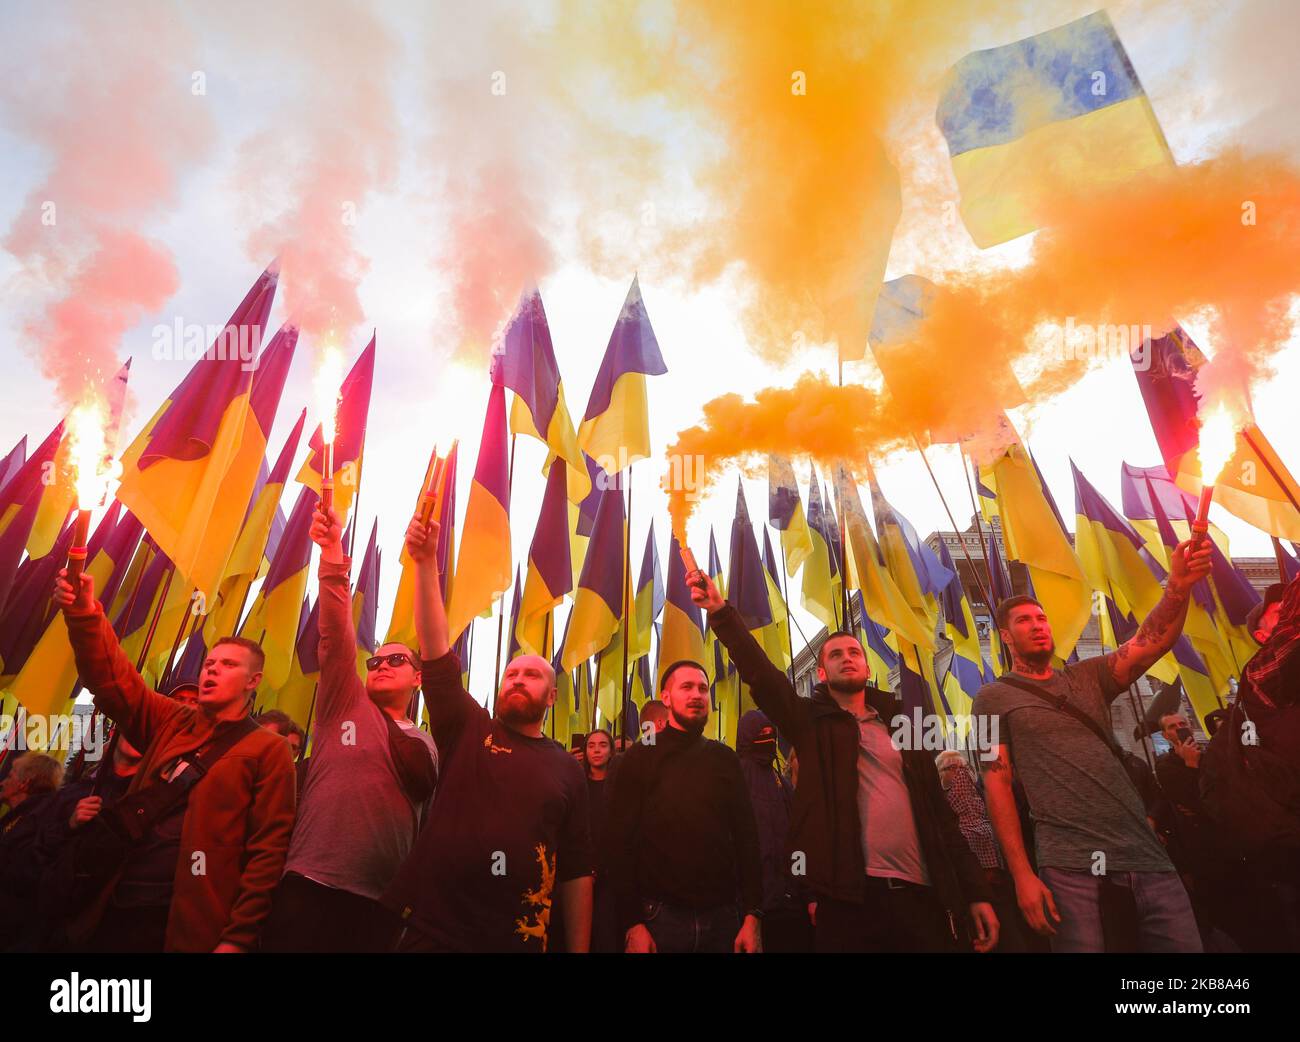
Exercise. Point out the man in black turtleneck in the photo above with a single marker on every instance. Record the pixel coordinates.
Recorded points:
(683, 846)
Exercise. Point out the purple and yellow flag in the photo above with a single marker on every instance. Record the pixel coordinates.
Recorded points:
(483, 564)
(550, 570)
(683, 629)
(599, 601)
(273, 620)
(785, 513)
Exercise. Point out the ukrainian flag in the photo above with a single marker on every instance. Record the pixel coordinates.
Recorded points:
(599, 601)
(189, 475)
(550, 570)
(349, 435)
(297, 696)
(524, 361)
(1054, 115)
(785, 513)
(251, 549)
(881, 658)
(483, 564)
(615, 429)
(778, 634)
(683, 630)
(821, 588)
(648, 601)
(273, 621)
(582, 518)
(365, 601)
(968, 670)
(747, 591)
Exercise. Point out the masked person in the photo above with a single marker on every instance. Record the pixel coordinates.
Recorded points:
(683, 846)
(1095, 847)
(786, 926)
(885, 863)
(371, 780)
(216, 791)
(510, 826)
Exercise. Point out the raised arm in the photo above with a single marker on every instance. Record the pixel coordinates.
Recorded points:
(339, 683)
(119, 691)
(773, 693)
(1189, 564)
(1033, 897)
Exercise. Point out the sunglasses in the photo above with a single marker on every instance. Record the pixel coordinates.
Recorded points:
(395, 659)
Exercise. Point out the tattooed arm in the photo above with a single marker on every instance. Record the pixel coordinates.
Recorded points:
(1160, 629)
(1033, 897)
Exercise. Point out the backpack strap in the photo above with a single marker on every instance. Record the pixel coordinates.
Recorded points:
(1061, 703)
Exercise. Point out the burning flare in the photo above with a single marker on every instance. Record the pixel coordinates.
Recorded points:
(93, 472)
(329, 378)
(1217, 445)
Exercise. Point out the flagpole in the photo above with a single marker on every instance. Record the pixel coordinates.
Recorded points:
(135, 592)
(153, 625)
(501, 618)
(789, 615)
(627, 568)
(595, 691)
(171, 659)
(951, 520)
(311, 709)
(1281, 564)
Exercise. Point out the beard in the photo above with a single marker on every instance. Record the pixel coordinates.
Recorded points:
(847, 687)
(520, 712)
(1038, 660)
(690, 726)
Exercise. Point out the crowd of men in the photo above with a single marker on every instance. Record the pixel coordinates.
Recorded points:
(201, 829)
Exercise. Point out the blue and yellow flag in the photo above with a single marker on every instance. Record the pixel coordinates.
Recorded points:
(599, 600)
(550, 570)
(968, 670)
(615, 429)
(683, 629)
(483, 563)
(785, 513)
(273, 620)
(822, 587)
(524, 361)
(648, 600)
(1050, 116)
(365, 601)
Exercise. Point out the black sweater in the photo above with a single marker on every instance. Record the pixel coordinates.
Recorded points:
(681, 828)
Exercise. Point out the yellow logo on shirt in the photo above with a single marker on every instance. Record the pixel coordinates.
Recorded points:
(493, 748)
(533, 924)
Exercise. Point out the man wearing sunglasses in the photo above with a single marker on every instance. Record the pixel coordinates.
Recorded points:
(368, 787)
(508, 833)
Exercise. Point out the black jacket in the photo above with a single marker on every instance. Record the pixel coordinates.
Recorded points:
(824, 823)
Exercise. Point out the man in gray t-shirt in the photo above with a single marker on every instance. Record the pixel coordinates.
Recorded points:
(357, 815)
(1092, 838)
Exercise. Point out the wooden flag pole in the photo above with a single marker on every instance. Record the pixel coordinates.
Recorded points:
(789, 615)
(501, 617)
(951, 520)
(627, 607)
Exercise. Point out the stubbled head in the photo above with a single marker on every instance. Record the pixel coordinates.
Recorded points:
(1026, 630)
(527, 691)
(656, 715)
(684, 689)
(230, 674)
(842, 663)
(393, 676)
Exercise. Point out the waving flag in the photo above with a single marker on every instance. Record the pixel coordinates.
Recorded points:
(683, 631)
(778, 636)
(615, 429)
(297, 696)
(252, 547)
(968, 670)
(881, 658)
(189, 476)
(550, 571)
(1028, 121)
(349, 435)
(599, 601)
(524, 361)
(1255, 485)
(483, 564)
(30, 610)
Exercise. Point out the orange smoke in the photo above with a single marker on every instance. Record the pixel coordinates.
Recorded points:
(814, 418)
(105, 96)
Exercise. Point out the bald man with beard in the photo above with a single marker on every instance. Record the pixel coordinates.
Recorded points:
(509, 830)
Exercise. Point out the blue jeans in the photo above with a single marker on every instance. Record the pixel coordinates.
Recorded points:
(1165, 922)
(677, 929)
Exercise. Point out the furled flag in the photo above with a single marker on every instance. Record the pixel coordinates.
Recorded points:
(615, 429)
(365, 601)
(777, 639)
(512, 642)
(1027, 122)
(190, 473)
(967, 669)
(582, 517)
(821, 588)
(349, 435)
(30, 609)
(273, 620)
(550, 572)
(524, 360)
(648, 600)
(683, 630)
(251, 549)
(297, 696)
(599, 600)
(785, 513)
(440, 478)
(881, 658)
(1255, 485)
(12, 463)
(483, 563)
